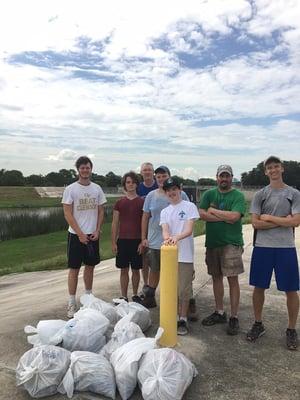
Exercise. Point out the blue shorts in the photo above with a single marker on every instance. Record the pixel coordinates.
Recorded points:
(282, 260)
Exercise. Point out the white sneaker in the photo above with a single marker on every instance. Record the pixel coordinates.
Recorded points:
(71, 310)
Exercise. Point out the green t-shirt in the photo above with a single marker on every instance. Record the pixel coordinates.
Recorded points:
(221, 233)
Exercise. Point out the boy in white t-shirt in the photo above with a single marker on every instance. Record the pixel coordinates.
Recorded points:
(177, 221)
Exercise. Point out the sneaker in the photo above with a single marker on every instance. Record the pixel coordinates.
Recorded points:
(137, 299)
(255, 332)
(233, 326)
(71, 310)
(291, 339)
(192, 311)
(121, 298)
(182, 327)
(215, 318)
(149, 302)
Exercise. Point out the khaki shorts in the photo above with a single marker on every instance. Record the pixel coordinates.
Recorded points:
(225, 260)
(185, 279)
(152, 258)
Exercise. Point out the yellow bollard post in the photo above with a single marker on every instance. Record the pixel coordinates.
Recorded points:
(168, 295)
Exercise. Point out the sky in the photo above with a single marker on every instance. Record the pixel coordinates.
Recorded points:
(190, 85)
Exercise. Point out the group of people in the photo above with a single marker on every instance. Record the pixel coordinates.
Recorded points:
(157, 212)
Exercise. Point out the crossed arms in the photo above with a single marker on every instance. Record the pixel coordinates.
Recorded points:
(215, 215)
(266, 221)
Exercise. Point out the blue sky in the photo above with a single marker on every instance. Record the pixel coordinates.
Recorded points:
(188, 85)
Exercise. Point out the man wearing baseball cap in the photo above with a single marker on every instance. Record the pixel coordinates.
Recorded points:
(222, 208)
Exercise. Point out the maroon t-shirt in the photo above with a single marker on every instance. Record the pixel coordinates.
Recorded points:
(130, 217)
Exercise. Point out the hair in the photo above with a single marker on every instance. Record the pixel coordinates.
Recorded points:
(83, 160)
(132, 175)
(149, 164)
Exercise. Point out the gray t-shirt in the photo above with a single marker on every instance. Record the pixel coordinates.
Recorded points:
(154, 203)
(280, 203)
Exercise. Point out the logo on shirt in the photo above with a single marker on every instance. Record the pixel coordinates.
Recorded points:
(182, 214)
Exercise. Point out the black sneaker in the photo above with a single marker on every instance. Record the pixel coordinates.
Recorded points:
(137, 299)
(192, 311)
(149, 302)
(120, 298)
(291, 339)
(182, 327)
(255, 332)
(233, 326)
(215, 318)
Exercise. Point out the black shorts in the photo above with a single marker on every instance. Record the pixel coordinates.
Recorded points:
(79, 253)
(127, 254)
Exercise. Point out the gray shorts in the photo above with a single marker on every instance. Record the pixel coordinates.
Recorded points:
(225, 260)
(185, 279)
(153, 259)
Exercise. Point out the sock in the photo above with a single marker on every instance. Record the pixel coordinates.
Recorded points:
(183, 319)
(88, 291)
(72, 299)
(221, 312)
(258, 322)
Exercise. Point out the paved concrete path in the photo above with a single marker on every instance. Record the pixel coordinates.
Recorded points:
(230, 368)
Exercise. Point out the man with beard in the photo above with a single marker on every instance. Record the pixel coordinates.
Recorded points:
(222, 208)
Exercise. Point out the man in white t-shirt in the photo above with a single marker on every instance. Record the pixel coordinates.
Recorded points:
(177, 221)
(83, 209)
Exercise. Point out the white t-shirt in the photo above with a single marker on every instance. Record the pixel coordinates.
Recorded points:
(176, 216)
(85, 200)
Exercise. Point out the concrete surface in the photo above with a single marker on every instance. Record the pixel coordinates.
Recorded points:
(230, 368)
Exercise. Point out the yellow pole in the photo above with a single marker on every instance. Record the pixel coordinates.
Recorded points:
(168, 294)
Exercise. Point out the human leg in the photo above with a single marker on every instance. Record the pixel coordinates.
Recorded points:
(88, 277)
(135, 280)
(292, 302)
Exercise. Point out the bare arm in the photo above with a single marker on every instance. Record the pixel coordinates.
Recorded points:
(68, 214)
(226, 216)
(115, 230)
(188, 230)
(95, 235)
(288, 221)
(144, 228)
(206, 216)
(257, 223)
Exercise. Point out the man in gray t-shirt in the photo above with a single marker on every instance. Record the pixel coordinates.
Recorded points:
(275, 212)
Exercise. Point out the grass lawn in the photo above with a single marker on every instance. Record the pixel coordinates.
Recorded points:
(27, 197)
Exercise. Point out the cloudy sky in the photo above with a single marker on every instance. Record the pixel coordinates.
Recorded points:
(188, 84)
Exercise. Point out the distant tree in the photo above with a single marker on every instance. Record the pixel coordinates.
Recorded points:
(189, 182)
(207, 182)
(34, 180)
(68, 176)
(257, 177)
(112, 180)
(54, 179)
(12, 178)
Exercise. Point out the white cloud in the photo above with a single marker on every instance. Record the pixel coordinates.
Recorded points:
(65, 154)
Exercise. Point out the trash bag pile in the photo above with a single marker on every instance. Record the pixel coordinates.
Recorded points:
(77, 356)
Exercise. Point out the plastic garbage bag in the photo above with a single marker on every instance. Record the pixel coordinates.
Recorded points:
(44, 331)
(125, 362)
(124, 332)
(89, 372)
(107, 309)
(165, 374)
(41, 369)
(141, 314)
(84, 332)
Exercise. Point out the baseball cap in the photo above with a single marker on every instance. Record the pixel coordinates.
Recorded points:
(224, 168)
(171, 182)
(272, 159)
(162, 169)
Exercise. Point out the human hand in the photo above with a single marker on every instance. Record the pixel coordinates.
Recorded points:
(114, 248)
(95, 236)
(83, 238)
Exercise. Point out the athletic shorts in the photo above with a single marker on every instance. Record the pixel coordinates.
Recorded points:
(153, 259)
(128, 255)
(284, 263)
(185, 279)
(79, 253)
(226, 260)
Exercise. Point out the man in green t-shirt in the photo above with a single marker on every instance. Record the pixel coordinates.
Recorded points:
(222, 208)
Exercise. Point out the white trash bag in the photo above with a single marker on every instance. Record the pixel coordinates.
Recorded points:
(89, 372)
(125, 362)
(165, 374)
(124, 332)
(44, 331)
(84, 332)
(41, 369)
(141, 314)
(107, 309)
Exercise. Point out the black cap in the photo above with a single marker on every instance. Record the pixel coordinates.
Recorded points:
(162, 169)
(171, 182)
(274, 159)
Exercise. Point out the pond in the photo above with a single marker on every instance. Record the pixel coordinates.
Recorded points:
(22, 222)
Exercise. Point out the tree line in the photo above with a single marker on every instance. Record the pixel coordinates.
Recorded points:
(255, 178)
